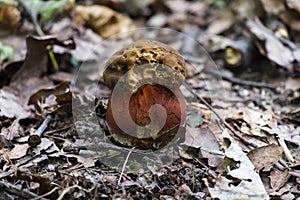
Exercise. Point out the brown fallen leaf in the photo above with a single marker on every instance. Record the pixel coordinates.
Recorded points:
(221, 24)
(35, 64)
(264, 157)
(103, 20)
(278, 178)
(242, 182)
(46, 98)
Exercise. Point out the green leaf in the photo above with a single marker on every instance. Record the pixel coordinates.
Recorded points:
(6, 52)
(52, 9)
(195, 120)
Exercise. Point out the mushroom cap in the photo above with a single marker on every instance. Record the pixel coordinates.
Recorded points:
(162, 64)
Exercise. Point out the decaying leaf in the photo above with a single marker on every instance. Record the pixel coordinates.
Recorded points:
(223, 23)
(271, 46)
(264, 157)
(248, 184)
(11, 106)
(278, 178)
(15, 130)
(35, 64)
(103, 20)
(46, 99)
(45, 184)
(274, 6)
(207, 142)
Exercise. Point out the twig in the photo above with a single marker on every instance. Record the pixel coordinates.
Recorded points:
(35, 139)
(65, 191)
(286, 151)
(17, 191)
(124, 165)
(46, 194)
(236, 134)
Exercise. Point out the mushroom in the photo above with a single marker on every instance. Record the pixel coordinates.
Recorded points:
(146, 107)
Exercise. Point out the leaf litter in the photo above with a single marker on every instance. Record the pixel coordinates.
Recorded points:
(258, 158)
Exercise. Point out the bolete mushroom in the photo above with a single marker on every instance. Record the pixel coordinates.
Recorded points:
(150, 113)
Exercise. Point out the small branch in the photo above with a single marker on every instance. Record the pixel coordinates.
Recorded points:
(35, 139)
(46, 194)
(66, 190)
(124, 165)
(286, 151)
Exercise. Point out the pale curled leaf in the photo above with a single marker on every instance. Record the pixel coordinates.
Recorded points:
(250, 186)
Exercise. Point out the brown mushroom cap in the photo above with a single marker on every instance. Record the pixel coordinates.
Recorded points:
(146, 52)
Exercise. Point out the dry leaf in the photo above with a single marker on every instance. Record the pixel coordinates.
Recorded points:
(223, 23)
(39, 99)
(35, 64)
(271, 46)
(264, 157)
(11, 107)
(293, 4)
(15, 130)
(273, 6)
(10, 16)
(247, 185)
(18, 151)
(103, 20)
(292, 84)
(278, 178)
(207, 142)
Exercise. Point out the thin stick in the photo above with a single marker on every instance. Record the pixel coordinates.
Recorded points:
(286, 151)
(46, 194)
(124, 165)
(65, 191)
(35, 138)
(218, 116)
